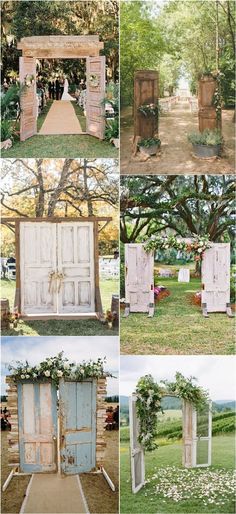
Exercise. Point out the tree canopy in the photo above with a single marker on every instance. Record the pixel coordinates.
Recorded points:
(180, 39)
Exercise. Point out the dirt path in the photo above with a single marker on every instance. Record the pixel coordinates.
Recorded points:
(61, 119)
(176, 152)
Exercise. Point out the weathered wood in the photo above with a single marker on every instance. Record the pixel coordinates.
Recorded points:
(188, 449)
(5, 308)
(145, 92)
(28, 101)
(139, 279)
(98, 299)
(56, 219)
(207, 110)
(216, 278)
(136, 450)
(95, 110)
(62, 47)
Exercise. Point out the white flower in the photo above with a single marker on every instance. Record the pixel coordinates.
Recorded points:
(49, 362)
(66, 365)
(82, 371)
(47, 373)
(34, 375)
(38, 367)
(28, 369)
(27, 376)
(60, 373)
(22, 376)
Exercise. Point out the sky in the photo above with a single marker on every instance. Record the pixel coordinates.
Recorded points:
(76, 349)
(215, 373)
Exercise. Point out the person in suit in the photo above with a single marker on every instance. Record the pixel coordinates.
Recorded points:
(57, 87)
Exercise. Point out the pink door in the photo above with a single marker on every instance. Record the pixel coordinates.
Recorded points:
(28, 104)
(95, 111)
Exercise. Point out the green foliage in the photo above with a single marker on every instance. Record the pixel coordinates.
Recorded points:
(148, 405)
(6, 130)
(207, 137)
(147, 143)
(10, 102)
(186, 389)
(232, 289)
(112, 128)
(149, 110)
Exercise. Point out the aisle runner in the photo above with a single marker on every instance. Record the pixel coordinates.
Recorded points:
(53, 494)
(61, 119)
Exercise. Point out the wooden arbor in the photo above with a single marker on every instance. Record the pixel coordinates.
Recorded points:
(216, 279)
(145, 92)
(38, 443)
(139, 281)
(62, 47)
(196, 450)
(207, 115)
(57, 267)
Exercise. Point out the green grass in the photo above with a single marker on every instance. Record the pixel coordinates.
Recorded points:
(61, 146)
(223, 448)
(80, 115)
(178, 326)
(62, 327)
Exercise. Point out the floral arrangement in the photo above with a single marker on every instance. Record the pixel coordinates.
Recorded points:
(198, 246)
(148, 405)
(57, 367)
(29, 80)
(149, 396)
(94, 80)
(11, 318)
(111, 318)
(149, 109)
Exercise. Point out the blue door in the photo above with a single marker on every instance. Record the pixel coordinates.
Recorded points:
(78, 425)
(37, 408)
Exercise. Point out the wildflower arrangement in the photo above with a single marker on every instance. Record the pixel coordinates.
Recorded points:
(149, 109)
(57, 367)
(149, 395)
(198, 246)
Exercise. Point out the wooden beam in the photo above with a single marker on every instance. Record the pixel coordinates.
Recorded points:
(98, 300)
(62, 47)
(55, 219)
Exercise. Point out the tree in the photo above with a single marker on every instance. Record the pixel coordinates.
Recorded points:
(187, 206)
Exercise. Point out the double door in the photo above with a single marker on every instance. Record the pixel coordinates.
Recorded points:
(57, 268)
(43, 441)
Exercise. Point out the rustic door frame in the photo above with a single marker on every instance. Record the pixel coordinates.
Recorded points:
(63, 47)
(98, 302)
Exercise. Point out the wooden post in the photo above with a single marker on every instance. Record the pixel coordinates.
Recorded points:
(17, 301)
(98, 300)
(145, 92)
(207, 110)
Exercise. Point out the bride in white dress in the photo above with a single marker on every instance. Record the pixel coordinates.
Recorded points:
(66, 95)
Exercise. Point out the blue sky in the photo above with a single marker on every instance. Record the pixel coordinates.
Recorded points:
(35, 349)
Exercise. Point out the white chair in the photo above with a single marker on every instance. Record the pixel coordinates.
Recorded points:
(184, 275)
(11, 271)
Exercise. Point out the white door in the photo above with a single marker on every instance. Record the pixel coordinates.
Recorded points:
(95, 94)
(139, 285)
(38, 260)
(202, 433)
(216, 277)
(76, 289)
(136, 450)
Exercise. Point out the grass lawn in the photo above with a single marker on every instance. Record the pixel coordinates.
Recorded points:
(62, 327)
(178, 326)
(146, 500)
(61, 146)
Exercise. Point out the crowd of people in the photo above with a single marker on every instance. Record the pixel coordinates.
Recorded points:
(112, 418)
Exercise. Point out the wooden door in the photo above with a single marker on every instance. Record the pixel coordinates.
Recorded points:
(38, 261)
(76, 288)
(136, 450)
(145, 92)
(139, 286)
(216, 277)
(95, 111)
(37, 408)
(28, 117)
(202, 434)
(78, 426)
(189, 451)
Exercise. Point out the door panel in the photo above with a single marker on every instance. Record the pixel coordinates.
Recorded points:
(37, 405)
(216, 277)
(28, 118)
(78, 426)
(37, 261)
(139, 278)
(136, 451)
(202, 436)
(95, 111)
(76, 263)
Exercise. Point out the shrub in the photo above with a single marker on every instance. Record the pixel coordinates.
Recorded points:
(6, 130)
(149, 142)
(112, 128)
(207, 137)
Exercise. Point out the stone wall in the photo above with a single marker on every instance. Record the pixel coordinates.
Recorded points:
(13, 436)
(101, 416)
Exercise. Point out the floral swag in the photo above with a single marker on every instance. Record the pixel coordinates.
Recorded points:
(57, 367)
(197, 247)
(149, 395)
(149, 110)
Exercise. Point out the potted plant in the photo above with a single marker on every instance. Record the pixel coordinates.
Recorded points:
(149, 146)
(207, 143)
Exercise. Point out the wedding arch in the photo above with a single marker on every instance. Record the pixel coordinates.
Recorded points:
(215, 272)
(144, 405)
(62, 47)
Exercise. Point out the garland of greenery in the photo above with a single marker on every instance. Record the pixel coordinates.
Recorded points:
(149, 395)
(57, 367)
(198, 246)
(149, 109)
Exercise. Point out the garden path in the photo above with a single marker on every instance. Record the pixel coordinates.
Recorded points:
(51, 493)
(176, 152)
(61, 119)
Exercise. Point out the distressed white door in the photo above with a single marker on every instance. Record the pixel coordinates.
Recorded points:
(139, 286)
(136, 451)
(76, 288)
(38, 259)
(37, 408)
(216, 277)
(202, 434)
(28, 102)
(95, 94)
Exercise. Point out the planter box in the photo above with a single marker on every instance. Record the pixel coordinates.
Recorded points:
(206, 151)
(149, 150)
